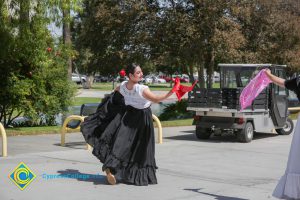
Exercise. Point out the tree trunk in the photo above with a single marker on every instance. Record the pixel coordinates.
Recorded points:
(1, 8)
(89, 81)
(201, 77)
(67, 34)
(210, 68)
(191, 73)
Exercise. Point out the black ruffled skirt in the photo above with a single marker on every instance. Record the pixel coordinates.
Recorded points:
(123, 140)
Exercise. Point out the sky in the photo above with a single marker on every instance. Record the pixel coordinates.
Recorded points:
(55, 31)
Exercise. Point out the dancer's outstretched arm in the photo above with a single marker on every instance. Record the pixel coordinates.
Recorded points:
(156, 98)
(275, 79)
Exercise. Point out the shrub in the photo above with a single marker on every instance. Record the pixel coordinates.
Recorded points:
(176, 111)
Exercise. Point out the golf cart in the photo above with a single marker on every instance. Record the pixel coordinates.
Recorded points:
(218, 110)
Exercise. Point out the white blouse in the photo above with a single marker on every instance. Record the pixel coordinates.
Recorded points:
(134, 97)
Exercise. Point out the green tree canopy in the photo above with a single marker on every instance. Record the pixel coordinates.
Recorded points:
(32, 67)
(187, 34)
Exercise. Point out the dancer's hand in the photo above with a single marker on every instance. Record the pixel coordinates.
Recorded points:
(275, 79)
(268, 72)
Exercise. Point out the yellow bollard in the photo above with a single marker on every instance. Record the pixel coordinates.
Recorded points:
(64, 127)
(294, 109)
(159, 134)
(4, 141)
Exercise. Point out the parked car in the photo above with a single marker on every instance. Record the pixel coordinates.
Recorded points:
(119, 79)
(217, 79)
(154, 79)
(168, 79)
(160, 80)
(97, 79)
(79, 79)
(22, 121)
(196, 77)
(103, 79)
(184, 78)
(149, 79)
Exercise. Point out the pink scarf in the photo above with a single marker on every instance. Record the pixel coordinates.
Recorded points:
(252, 90)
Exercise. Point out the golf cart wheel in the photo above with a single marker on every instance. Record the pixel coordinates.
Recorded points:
(287, 128)
(246, 135)
(203, 133)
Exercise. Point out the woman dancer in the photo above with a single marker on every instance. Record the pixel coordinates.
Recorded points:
(122, 134)
(288, 186)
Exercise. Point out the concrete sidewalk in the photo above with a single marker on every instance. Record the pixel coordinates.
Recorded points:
(219, 168)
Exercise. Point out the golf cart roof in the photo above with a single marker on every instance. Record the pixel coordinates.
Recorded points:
(250, 65)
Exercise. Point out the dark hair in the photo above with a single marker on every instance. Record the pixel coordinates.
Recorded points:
(130, 68)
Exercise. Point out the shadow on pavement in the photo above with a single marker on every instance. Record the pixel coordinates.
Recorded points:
(190, 137)
(73, 145)
(97, 179)
(225, 137)
(217, 197)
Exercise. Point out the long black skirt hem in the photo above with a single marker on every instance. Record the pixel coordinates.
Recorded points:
(125, 172)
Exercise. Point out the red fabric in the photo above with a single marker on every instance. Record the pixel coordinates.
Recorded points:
(122, 73)
(176, 84)
(180, 90)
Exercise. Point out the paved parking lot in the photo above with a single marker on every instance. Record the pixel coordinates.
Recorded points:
(219, 168)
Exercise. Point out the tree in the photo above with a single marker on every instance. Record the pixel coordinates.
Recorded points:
(114, 33)
(187, 34)
(60, 13)
(270, 31)
(32, 72)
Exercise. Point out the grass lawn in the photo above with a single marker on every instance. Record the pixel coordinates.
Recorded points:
(56, 129)
(39, 130)
(104, 86)
(179, 122)
(82, 100)
(153, 87)
(33, 130)
(294, 116)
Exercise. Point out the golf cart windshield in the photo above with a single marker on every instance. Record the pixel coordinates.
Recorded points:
(235, 77)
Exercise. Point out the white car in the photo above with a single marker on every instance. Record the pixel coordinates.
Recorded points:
(77, 78)
(154, 79)
(161, 80)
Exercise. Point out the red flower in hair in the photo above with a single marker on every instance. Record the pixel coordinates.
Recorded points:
(122, 73)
